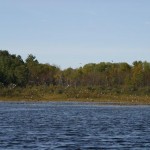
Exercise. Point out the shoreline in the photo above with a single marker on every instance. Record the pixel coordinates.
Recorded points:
(99, 101)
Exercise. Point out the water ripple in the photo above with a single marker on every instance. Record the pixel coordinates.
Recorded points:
(73, 126)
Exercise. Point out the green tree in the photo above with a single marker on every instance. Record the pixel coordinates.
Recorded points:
(12, 69)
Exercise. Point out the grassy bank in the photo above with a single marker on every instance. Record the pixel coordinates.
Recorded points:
(80, 94)
(121, 100)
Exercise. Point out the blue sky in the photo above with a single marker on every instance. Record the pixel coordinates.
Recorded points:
(71, 33)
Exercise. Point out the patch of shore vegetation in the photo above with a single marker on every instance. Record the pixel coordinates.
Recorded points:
(102, 82)
(84, 94)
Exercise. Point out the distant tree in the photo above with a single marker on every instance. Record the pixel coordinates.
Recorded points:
(138, 74)
(12, 69)
(33, 67)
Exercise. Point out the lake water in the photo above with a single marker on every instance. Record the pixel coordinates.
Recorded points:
(73, 126)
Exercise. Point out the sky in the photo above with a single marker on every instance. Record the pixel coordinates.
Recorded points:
(72, 33)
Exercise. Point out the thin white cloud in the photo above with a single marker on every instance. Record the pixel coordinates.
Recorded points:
(147, 23)
(92, 13)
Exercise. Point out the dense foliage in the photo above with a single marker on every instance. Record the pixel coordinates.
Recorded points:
(91, 78)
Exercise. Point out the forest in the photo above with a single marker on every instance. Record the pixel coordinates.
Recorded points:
(30, 79)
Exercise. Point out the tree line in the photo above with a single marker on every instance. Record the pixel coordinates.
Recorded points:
(14, 71)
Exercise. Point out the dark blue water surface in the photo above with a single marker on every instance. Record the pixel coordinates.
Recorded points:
(73, 126)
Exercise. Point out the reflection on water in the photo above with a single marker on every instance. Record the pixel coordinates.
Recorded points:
(73, 126)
